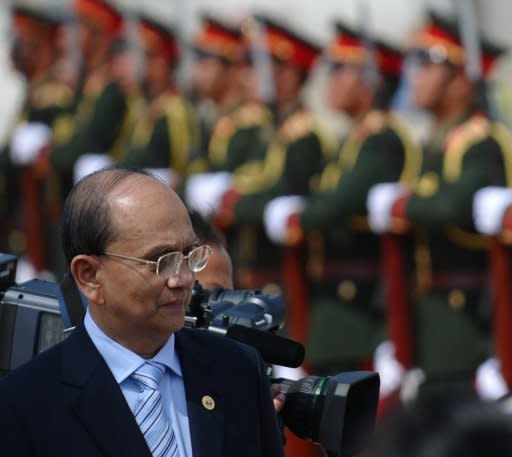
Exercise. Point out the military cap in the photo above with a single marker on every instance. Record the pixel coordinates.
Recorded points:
(286, 45)
(101, 13)
(37, 22)
(440, 41)
(350, 46)
(158, 37)
(219, 39)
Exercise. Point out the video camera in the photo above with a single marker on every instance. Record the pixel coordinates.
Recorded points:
(337, 412)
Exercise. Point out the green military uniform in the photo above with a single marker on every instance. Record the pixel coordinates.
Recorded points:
(103, 114)
(453, 314)
(46, 100)
(106, 130)
(171, 139)
(237, 137)
(280, 165)
(292, 157)
(452, 302)
(225, 45)
(167, 129)
(344, 264)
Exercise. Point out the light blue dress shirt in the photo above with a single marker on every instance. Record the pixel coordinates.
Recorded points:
(123, 362)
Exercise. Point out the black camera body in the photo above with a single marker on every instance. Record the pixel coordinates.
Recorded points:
(337, 412)
(222, 308)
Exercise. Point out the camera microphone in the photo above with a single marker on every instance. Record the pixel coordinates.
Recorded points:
(274, 349)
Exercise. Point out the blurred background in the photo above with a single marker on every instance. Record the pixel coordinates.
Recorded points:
(393, 20)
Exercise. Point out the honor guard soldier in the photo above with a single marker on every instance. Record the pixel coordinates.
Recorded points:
(219, 50)
(109, 98)
(288, 160)
(34, 53)
(451, 307)
(239, 136)
(346, 320)
(167, 129)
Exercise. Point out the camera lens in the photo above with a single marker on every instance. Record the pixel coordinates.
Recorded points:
(304, 404)
(337, 412)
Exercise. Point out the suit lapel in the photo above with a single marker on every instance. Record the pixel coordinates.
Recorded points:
(100, 406)
(205, 402)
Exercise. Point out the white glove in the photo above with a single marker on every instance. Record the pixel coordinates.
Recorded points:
(27, 140)
(390, 370)
(489, 206)
(89, 163)
(276, 215)
(379, 203)
(203, 192)
(167, 175)
(489, 382)
(413, 379)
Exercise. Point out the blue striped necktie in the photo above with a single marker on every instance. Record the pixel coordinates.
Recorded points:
(150, 414)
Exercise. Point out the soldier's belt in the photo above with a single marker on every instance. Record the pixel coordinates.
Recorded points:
(357, 270)
(458, 280)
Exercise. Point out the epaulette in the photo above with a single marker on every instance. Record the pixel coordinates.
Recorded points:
(50, 94)
(96, 81)
(160, 105)
(458, 142)
(473, 130)
(224, 127)
(374, 122)
(297, 126)
(253, 114)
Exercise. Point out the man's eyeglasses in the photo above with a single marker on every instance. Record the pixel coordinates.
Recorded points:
(169, 264)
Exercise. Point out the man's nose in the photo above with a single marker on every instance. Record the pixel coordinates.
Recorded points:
(184, 277)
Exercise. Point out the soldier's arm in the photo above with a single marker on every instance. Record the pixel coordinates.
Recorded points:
(301, 162)
(107, 119)
(243, 147)
(380, 159)
(98, 134)
(158, 149)
(451, 201)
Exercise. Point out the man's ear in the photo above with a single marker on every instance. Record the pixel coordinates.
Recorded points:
(84, 269)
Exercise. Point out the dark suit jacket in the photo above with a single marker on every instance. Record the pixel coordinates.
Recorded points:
(67, 403)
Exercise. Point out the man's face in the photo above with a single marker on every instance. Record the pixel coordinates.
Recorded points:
(429, 84)
(135, 305)
(218, 272)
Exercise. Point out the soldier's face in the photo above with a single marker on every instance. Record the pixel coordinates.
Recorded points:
(287, 81)
(158, 71)
(23, 54)
(208, 75)
(429, 85)
(344, 88)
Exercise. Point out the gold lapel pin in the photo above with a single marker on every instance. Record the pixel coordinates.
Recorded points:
(208, 402)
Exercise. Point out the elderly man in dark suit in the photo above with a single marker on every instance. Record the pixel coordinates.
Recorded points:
(130, 381)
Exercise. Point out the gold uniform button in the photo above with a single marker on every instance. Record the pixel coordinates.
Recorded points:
(347, 290)
(428, 184)
(208, 402)
(457, 299)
